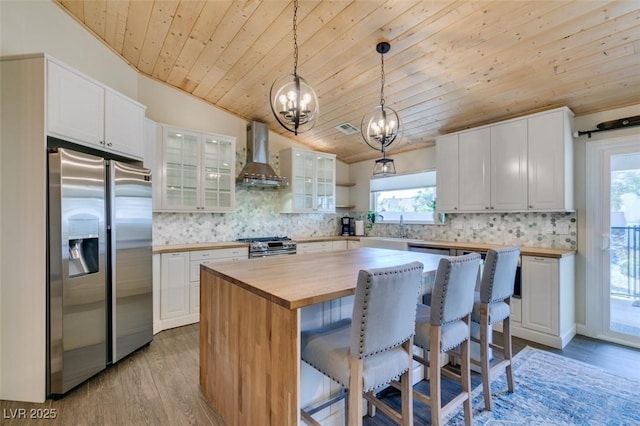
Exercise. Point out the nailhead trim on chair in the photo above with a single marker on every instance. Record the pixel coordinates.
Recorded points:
(444, 290)
(442, 349)
(328, 375)
(493, 271)
(386, 382)
(364, 312)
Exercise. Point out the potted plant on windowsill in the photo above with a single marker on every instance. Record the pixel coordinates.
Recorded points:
(438, 218)
(371, 218)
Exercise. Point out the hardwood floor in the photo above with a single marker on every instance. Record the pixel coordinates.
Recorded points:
(159, 385)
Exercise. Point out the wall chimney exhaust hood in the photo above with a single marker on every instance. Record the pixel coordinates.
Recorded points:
(258, 173)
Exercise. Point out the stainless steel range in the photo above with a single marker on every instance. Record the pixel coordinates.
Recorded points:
(269, 246)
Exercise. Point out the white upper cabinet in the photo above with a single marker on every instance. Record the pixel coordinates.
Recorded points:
(312, 181)
(447, 173)
(515, 165)
(198, 171)
(550, 155)
(75, 106)
(123, 125)
(81, 110)
(474, 173)
(509, 166)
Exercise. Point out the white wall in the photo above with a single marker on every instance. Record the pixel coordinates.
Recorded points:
(39, 26)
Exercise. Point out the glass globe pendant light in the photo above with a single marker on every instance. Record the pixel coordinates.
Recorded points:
(382, 127)
(293, 102)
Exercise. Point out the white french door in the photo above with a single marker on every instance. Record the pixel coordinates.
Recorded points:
(613, 240)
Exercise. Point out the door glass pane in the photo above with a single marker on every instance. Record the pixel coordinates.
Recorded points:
(624, 302)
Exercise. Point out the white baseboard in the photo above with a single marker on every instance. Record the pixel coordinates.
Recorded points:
(175, 322)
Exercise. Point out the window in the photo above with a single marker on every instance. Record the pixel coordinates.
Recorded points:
(413, 196)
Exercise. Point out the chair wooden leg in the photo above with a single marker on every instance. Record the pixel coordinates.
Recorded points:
(435, 376)
(354, 399)
(346, 409)
(371, 410)
(485, 366)
(465, 377)
(506, 333)
(407, 387)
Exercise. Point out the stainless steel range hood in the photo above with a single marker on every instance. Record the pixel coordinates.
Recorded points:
(258, 172)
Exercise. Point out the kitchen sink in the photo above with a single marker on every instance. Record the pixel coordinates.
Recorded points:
(387, 242)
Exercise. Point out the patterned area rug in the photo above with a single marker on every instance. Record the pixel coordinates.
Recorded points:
(554, 390)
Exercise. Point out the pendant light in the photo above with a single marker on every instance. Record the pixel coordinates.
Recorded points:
(384, 166)
(381, 127)
(293, 101)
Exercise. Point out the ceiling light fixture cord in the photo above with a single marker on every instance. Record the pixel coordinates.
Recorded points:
(295, 37)
(382, 80)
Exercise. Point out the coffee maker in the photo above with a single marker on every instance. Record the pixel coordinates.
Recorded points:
(348, 226)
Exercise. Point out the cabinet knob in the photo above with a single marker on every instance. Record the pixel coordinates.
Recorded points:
(109, 144)
(486, 207)
(101, 142)
(455, 208)
(492, 207)
(530, 207)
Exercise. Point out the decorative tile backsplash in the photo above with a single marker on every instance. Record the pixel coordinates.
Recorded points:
(530, 229)
(257, 215)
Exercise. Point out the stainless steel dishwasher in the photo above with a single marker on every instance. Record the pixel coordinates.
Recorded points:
(433, 250)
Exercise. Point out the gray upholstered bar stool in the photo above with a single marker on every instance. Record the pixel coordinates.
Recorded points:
(491, 306)
(444, 326)
(374, 347)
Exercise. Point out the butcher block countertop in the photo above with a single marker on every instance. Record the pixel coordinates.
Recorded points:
(297, 281)
(170, 248)
(525, 251)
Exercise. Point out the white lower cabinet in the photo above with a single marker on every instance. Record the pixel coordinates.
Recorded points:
(353, 244)
(180, 283)
(546, 312)
(540, 294)
(174, 294)
(339, 245)
(321, 246)
(314, 247)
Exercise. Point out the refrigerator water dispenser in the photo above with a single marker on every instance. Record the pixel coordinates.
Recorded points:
(83, 256)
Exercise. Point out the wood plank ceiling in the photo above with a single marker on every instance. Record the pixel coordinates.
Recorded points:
(452, 64)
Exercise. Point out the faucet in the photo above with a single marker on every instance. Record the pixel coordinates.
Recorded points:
(403, 231)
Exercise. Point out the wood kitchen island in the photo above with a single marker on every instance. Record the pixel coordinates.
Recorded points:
(250, 326)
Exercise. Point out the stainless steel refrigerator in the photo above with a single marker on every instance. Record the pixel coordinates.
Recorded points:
(100, 305)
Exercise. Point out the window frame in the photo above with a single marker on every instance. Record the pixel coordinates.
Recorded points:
(401, 182)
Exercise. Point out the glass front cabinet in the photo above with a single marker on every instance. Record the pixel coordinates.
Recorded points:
(312, 183)
(198, 171)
